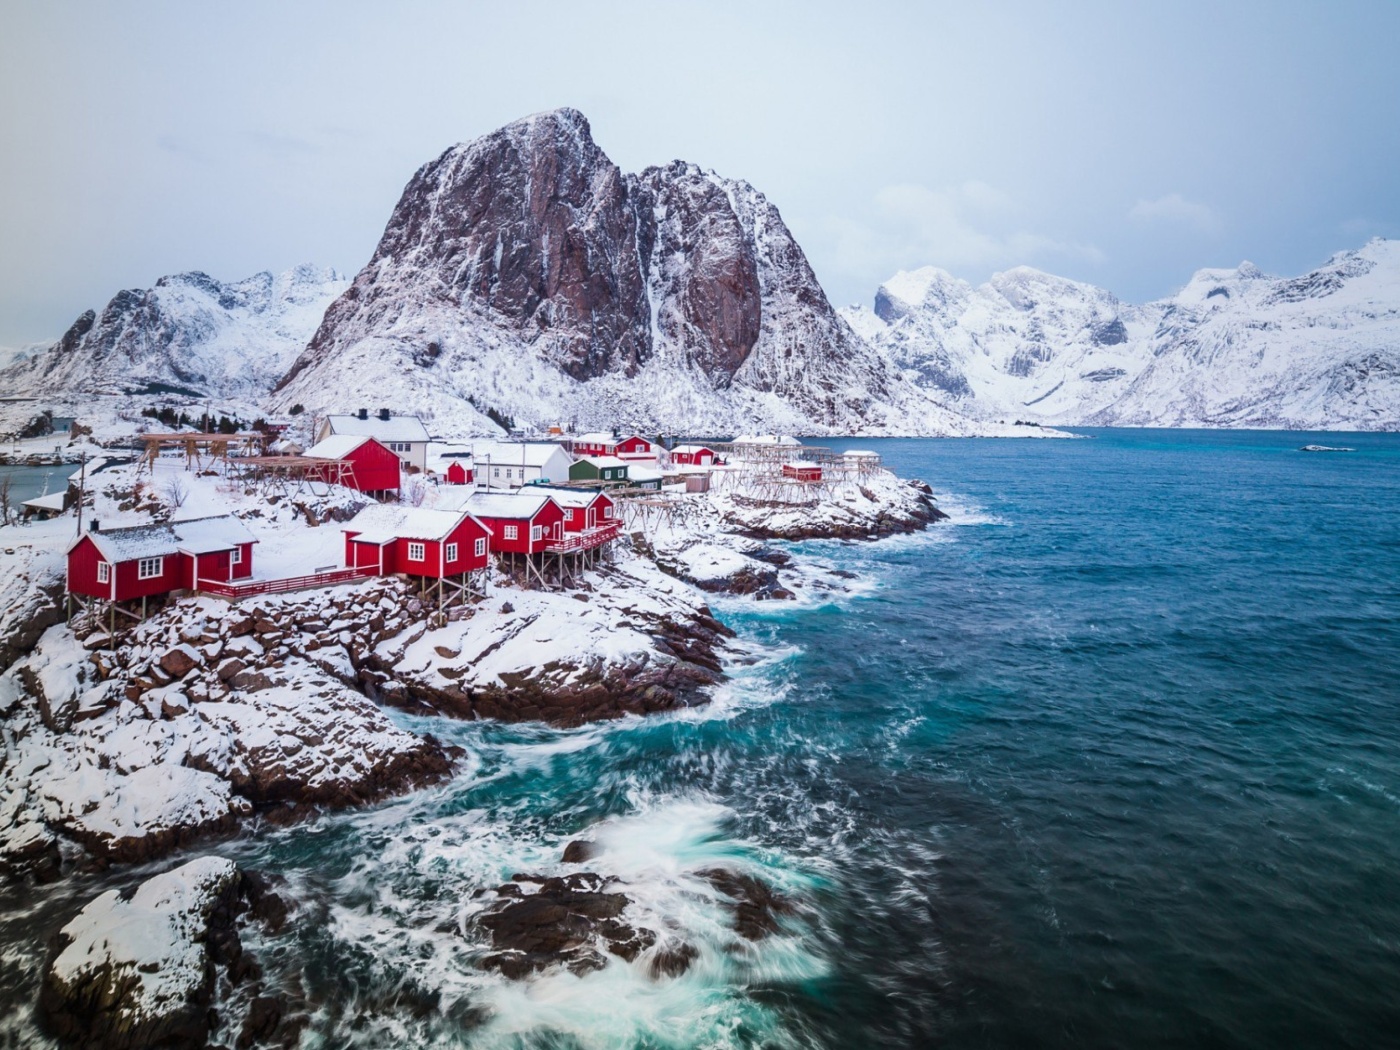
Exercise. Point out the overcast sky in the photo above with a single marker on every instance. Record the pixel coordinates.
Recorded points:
(1119, 143)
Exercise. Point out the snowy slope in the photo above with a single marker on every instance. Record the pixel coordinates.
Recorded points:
(190, 332)
(524, 273)
(1232, 348)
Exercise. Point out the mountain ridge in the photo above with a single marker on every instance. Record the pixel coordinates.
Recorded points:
(1232, 347)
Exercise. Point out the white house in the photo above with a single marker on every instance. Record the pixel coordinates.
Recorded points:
(404, 435)
(510, 464)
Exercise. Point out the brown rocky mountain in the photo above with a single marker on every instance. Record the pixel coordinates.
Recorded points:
(525, 273)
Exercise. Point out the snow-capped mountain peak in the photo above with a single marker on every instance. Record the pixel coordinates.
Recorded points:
(1234, 347)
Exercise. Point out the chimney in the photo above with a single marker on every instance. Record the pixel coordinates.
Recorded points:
(364, 413)
(384, 414)
(93, 525)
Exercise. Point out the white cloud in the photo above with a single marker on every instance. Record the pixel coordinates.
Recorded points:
(971, 226)
(1176, 210)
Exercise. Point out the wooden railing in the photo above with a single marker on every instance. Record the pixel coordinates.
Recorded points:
(585, 540)
(290, 583)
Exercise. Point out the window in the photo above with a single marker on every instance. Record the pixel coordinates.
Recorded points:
(511, 532)
(104, 572)
(573, 514)
(400, 446)
(236, 556)
(481, 548)
(536, 533)
(495, 472)
(608, 511)
(416, 552)
(150, 568)
(452, 552)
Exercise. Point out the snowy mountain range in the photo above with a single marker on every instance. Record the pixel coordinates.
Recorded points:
(1232, 348)
(523, 277)
(524, 274)
(189, 334)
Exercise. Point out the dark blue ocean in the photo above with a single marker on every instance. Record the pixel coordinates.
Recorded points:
(1112, 759)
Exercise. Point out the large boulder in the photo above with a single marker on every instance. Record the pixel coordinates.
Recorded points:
(137, 971)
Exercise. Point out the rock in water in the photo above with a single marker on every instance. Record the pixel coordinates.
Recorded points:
(137, 972)
(564, 922)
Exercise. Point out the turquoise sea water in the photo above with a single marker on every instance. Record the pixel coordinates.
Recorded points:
(1111, 760)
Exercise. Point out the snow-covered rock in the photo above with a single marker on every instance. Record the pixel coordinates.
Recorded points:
(188, 334)
(1232, 348)
(137, 972)
(524, 274)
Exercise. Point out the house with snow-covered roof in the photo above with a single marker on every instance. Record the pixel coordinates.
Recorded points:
(607, 469)
(144, 561)
(584, 509)
(601, 443)
(523, 522)
(511, 464)
(693, 456)
(416, 541)
(360, 463)
(405, 436)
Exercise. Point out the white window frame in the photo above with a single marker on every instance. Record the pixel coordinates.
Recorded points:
(417, 551)
(104, 572)
(536, 533)
(510, 532)
(150, 568)
(451, 552)
(236, 556)
(481, 547)
(573, 514)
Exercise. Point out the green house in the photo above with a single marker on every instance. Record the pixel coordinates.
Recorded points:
(599, 468)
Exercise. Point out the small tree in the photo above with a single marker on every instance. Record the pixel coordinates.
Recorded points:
(176, 492)
(5, 499)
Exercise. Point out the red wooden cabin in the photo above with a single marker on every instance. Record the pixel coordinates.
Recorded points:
(458, 474)
(693, 456)
(583, 508)
(372, 467)
(634, 447)
(802, 471)
(416, 541)
(145, 560)
(521, 522)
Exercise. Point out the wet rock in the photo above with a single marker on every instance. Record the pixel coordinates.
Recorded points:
(672, 960)
(753, 903)
(580, 850)
(568, 921)
(265, 902)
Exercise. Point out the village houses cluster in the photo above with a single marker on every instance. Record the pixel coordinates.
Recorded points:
(546, 509)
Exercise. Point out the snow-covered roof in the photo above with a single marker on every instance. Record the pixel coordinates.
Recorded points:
(802, 464)
(637, 472)
(860, 453)
(91, 467)
(605, 461)
(442, 455)
(395, 428)
(570, 497)
(206, 535)
(516, 453)
(196, 536)
(337, 446)
(597, 437)
(383, 522)
(692, 449)
(53, 501)
(285, 445)
(521, 504)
